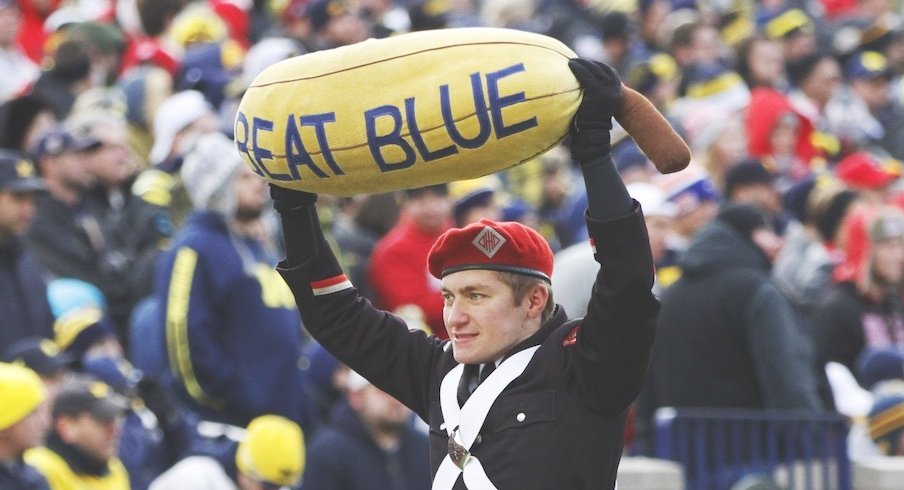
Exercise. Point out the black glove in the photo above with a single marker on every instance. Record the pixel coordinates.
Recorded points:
(159, 401)
(593, 119)
(289, 199)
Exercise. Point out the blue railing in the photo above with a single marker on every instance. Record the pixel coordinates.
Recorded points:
(719, 447)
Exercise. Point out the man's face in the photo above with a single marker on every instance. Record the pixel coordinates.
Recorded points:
(380, 410)
(481, 316)
(72, 170)
(888, 260)
(250, 193)
(28, 432)
(111, 163)
(430, 211)
(98, 438)
(16, 211)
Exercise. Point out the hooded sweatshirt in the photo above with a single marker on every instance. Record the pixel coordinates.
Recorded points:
(726, 336)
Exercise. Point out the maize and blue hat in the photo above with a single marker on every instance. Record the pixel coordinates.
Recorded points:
(273, 451)
(21, 392)
(80, 328)
(886, 422)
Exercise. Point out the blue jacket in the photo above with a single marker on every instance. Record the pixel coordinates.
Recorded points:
(233, 336)
(21, 476)
(344, 456)
(24, 311)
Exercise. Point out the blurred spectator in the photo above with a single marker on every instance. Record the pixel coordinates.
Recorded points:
(631, 163)
(398, 266)
(209, 68)
(696, 203)
(475, 199)
(154, 433)
(106, 46)
(886, 424)
(335, 24)
(42, 356)
(717, 139)
(815, 79)
(562, 203)
(23, 288)
(80, 450)
(795, 30)
(779, 137)
(748, 182)
(864, 115)
(66, 293)
(358, 224)
(386, 17)
(761, 63)
(18, 70)
(803, 269)
(866, 174)
(84, 333)
(66, 236)
(68, 75)
(135, 229)
(725, 322)
(863, 309)
(572, 278)
(24, 419)
(179, 121)
(370, 442)
(22, 120)
(271, 455)
(696, 43)
(216, 286)
(657, 79)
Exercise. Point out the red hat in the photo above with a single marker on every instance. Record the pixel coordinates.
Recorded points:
(862, 170)
(507, 246)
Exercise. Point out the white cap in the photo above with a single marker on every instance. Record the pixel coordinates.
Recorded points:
(652, 199)
(176, 113)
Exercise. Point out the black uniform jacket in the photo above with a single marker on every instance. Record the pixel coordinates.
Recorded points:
(573, 395)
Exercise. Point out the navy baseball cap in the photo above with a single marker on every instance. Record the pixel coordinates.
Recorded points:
(869, 65)
(58, 140)
(17, 173)
(41, 355)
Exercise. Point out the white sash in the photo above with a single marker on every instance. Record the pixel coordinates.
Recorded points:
(469, 418)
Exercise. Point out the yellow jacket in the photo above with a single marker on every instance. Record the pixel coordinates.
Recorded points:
(61, 477)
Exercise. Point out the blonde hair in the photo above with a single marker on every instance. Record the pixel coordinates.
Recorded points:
(522, 284)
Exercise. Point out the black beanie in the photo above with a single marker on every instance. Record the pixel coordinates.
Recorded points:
(744, 218)
(828, 221)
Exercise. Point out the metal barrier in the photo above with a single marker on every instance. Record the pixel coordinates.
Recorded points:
(720, 447)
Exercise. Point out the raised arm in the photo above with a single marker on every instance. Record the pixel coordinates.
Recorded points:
(617, 334)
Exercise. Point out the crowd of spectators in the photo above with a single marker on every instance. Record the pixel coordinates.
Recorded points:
(137, 251)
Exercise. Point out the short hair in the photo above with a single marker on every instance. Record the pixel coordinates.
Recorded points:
(521, 284)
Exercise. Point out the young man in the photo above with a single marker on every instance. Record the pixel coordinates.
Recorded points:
(81, 448)
(23, 287)
(369, 442)
(552, 413)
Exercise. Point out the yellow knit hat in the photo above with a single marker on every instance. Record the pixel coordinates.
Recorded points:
(21, 391)
(273, 451)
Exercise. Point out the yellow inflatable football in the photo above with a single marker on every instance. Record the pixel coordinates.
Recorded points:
(407, 111)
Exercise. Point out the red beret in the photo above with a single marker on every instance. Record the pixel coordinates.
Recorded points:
(508, 246)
